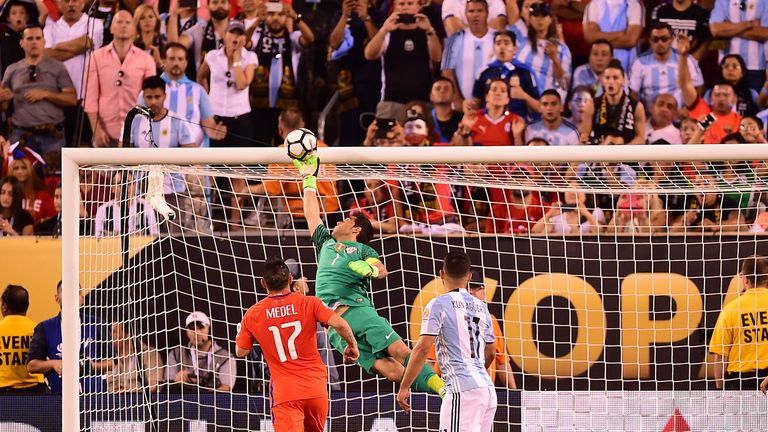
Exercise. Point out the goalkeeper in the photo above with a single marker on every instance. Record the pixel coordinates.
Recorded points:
(345, 266)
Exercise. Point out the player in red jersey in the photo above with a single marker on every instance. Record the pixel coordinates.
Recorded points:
(284, 325)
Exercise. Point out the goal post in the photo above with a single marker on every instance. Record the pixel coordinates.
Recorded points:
(436, 165)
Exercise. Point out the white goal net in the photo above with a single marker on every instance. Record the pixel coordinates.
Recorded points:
(605, 268)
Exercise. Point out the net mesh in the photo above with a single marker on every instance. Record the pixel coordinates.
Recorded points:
(606, 281)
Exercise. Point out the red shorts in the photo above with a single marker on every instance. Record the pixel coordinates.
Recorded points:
(301, 415)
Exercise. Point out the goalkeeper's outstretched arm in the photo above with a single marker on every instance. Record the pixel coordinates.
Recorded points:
(309, 169)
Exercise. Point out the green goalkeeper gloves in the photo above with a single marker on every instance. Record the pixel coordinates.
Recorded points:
(364, 269)
(308, 168)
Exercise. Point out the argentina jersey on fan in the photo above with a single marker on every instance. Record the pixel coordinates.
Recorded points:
(462, 326)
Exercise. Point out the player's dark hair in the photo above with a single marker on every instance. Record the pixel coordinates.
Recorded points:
(366, 229)
(616, 64)
(457, 264)
(153, 82)
(16, 299)
(755, 268)
(276, 274)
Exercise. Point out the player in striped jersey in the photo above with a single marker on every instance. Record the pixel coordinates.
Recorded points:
(462, 329)
(655, 71)
(553, 127)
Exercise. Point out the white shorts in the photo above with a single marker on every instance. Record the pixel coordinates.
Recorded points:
(468, 411)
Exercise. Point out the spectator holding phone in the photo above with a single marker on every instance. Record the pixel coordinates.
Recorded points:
(408, 45)
(716, 120)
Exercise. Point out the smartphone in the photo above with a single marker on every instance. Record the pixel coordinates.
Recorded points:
(707, 121)
(384, 125)
(188, 4)
(406, 19)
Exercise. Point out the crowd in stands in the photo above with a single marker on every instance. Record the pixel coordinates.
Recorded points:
(243, 73)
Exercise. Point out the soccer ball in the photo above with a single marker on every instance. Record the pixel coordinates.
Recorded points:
(301, 144)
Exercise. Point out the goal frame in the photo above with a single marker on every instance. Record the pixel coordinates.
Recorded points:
(74, 158)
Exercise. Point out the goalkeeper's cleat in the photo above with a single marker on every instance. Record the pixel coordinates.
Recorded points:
(364, 269)
(308, 167)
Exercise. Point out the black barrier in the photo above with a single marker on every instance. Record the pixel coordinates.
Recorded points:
(615, 277)
(226, 412)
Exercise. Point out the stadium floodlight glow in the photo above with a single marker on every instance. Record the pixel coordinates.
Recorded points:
(597, 317)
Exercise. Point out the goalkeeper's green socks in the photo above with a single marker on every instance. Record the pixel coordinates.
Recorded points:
(427, 380)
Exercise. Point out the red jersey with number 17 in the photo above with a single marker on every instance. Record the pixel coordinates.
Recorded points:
(285, 326)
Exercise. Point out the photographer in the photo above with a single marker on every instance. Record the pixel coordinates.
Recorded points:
(719, 119)
(408, 44)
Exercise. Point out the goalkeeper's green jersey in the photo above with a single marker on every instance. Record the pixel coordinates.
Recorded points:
(336, 282)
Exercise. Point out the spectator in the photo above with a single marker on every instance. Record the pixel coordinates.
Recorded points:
(14, 220)
(686, 18)
(115, 74)
(377, 205)
(620, 22)
(468, 50)
(737, 343)
(553, 127)
(660, 125)
(300, 285)
(202, 361)
(275, 86)
(68, 40)
(746, 29)
(15, 334)
(638, 212)
(570, 215)
(105, 11)
(600, 54)
(523, 94)
(52, 225)
(38, 201)
(146, 24)
(445, 118)
(201, 39)
(226, 73)
(187, 99)
(733, 69)
(126, 376)
(385, 133)
(455, 19)
(141, 217)
(541, 47)
(751, 129)
(95, 355)
(615, 110)
(15, 17)
(251, 13)
(493, 125)
(407, 51)
(689, 128)
(359, 79)
(709, 210)
(724, 120)
(581, 97)
(655, 72)
(186, 23)
(40, 87)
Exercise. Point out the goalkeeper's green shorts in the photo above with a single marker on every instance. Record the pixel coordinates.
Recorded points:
(374, 335)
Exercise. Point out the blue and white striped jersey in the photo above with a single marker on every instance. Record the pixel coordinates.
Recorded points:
(539, 62)
(565, 134)
(616, 16)
(737, 11)
(467, 55)
(169, 132)
(650, 78)
(462, 326)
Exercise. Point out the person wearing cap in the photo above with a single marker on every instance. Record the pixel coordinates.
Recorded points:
(115, 74)
(541, 47)
(276, 86)
(202, 361)
(523, 92)
(468, 51)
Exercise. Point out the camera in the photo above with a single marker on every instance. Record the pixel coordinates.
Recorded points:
(406, 19)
